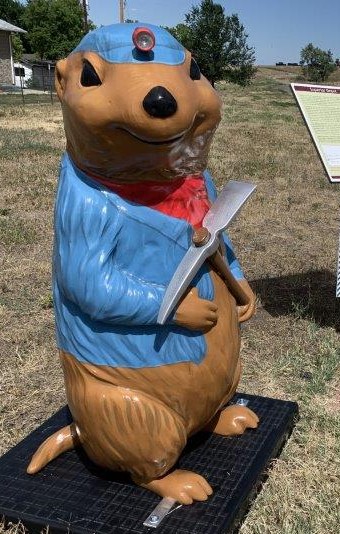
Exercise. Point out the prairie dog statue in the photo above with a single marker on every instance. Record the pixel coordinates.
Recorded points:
(139, 118)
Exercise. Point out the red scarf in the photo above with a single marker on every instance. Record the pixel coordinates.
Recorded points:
(185, 198)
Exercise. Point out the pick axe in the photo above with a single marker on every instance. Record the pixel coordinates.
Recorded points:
(205, 245)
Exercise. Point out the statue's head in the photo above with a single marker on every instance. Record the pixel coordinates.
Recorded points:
(135, 105)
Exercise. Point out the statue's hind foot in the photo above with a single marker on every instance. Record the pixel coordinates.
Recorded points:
(183, 486)
(232, 421)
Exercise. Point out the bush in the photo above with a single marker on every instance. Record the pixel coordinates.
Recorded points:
(317, 64)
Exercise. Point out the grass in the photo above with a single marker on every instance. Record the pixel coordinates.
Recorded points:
(286, 239)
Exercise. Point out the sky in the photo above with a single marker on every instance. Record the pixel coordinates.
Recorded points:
(277, 29)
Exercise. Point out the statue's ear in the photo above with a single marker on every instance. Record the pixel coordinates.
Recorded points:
(60, 72)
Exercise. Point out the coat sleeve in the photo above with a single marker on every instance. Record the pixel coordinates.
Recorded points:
(233, 262)
(86, 271)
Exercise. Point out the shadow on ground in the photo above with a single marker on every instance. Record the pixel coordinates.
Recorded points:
(305, 295)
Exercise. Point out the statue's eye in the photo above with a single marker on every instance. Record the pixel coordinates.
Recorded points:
(89, 77)
(195, 73)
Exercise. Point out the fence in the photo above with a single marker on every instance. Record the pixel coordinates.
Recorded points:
(35, 86)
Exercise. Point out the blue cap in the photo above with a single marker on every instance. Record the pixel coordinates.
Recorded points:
(114, 44)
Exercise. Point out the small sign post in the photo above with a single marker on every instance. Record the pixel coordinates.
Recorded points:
(22, 87)
(320, 107)
(50, 82)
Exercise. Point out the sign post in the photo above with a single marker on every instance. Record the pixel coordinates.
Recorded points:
(320, 107)
(121, 11)
(50, 82)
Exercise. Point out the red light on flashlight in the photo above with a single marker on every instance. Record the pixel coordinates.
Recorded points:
(143, 39)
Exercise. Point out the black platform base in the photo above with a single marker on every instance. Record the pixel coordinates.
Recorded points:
(72, 495)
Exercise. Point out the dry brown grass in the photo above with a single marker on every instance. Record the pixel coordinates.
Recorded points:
(292, 74)
(29, 160)
(286, 239)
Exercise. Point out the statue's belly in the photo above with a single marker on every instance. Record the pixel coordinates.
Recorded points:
(194, 391)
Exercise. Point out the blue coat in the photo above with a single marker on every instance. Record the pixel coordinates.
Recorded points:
(113, 260)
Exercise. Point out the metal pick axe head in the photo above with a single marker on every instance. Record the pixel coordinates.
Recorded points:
(222, 212)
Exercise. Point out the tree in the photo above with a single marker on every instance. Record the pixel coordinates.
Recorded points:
(182, 33)
(55, 26)
(317, 64)
(11, 11)
(17, 47)
(218, 43)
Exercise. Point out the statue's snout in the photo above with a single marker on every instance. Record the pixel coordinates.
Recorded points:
(160, 103)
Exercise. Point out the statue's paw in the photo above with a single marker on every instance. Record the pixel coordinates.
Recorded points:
(183, 486)
(233, 421)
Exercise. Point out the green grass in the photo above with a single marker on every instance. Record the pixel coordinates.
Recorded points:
(16, 142)
(15, 99)
(15, 232)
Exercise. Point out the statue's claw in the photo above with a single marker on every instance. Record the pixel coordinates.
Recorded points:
(183, 486)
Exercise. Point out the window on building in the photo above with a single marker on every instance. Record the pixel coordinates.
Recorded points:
(19, 71)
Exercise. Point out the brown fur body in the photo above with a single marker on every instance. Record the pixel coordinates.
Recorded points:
(131, 418)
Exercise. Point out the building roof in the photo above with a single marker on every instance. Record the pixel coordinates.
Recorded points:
(30, 57)
(32, 60)
(23, 62)
(7, 27)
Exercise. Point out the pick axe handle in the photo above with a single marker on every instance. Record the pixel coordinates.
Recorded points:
(234, 287)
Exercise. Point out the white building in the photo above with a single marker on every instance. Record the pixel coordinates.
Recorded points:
(22, 73)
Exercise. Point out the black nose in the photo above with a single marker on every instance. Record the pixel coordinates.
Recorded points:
(160, 103)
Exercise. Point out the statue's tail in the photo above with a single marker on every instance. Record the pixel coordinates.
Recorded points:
(61, 441)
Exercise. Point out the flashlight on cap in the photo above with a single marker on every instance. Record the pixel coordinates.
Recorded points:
(143, 39)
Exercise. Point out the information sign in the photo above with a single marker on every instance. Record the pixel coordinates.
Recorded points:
(320, 107)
